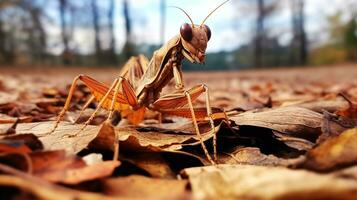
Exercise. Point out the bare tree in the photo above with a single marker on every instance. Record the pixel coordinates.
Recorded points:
(97, 42)
(111, 28)
(259, 35)
(37, 35)
(128, 49)
(6, 56)
(65, 32)
(298, 44)
(265, 9)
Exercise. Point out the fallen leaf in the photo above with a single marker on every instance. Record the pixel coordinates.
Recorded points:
(334, 153)
(152, 138)
(78, 175)
(15, 150)
(58, 140)
(130, 138)
(333, 125)
(328, 105)
(351, 110)
(40, 188)
(29, 140)
(13, 147)
(294, 142)
(295, 121)
(56, 166)
(253, 156)
(263, 183)
(153, 163)
(49, 92)
(141, 187)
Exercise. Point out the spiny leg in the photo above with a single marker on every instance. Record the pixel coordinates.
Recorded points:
(66, 105)
(130, 97)
(197, 129)
(97, 109)
(84, 107)
(209, 114)
(111, 111)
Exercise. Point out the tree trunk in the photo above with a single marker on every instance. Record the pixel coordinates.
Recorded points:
(38, 27)
(303, 46)
(111, 51)
(95, 13)
(258, 51)
(298, 43)
(128, 46)
(2, 42)
(66, 55)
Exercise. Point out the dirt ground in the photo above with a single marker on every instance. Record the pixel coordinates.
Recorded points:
(294, 84)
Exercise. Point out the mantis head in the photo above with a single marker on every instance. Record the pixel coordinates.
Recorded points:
(195, 38)
(194, 41)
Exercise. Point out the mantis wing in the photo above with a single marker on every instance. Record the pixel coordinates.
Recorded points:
(99, 89)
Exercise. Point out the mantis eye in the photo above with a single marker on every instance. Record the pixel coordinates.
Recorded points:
(186, 31)
(208, 32)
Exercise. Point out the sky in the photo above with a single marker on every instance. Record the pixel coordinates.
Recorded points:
(232, 25)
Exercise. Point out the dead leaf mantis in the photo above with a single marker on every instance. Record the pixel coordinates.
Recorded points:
(141, 81)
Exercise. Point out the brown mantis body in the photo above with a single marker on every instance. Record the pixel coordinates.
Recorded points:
(141, 81)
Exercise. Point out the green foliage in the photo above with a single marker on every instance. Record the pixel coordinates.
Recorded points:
(328, 54)
(342, 46)
(350, 39)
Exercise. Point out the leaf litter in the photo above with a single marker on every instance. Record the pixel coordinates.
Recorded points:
(286, 138)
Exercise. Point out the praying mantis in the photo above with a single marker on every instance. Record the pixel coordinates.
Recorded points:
(140, 82)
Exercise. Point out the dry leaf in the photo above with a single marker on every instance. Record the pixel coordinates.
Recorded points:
(253, 156)
(263, 183)
(57, 140)
(77, 175)
(152, 138)
(129, 137)
(153, 163)
(29, 140)
(15, 150)
(296, 121)
(294, 142)
(7, 146)
(146, 188)
(333, 125)
(334, 153)
(56, 166)
(328, 105)
(41, 189)
(351, 111)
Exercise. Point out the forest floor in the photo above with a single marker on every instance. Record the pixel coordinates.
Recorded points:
(288, 133)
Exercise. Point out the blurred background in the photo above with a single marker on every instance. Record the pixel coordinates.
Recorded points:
(245, 33)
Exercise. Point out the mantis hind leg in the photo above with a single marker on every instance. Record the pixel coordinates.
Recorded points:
(209, 114)
(197, 129)
(66, 105)
(100, 104)
(172, 105)
(90, 100)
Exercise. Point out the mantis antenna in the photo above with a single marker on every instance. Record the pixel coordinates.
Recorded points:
(185, 14)
(213, 12)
